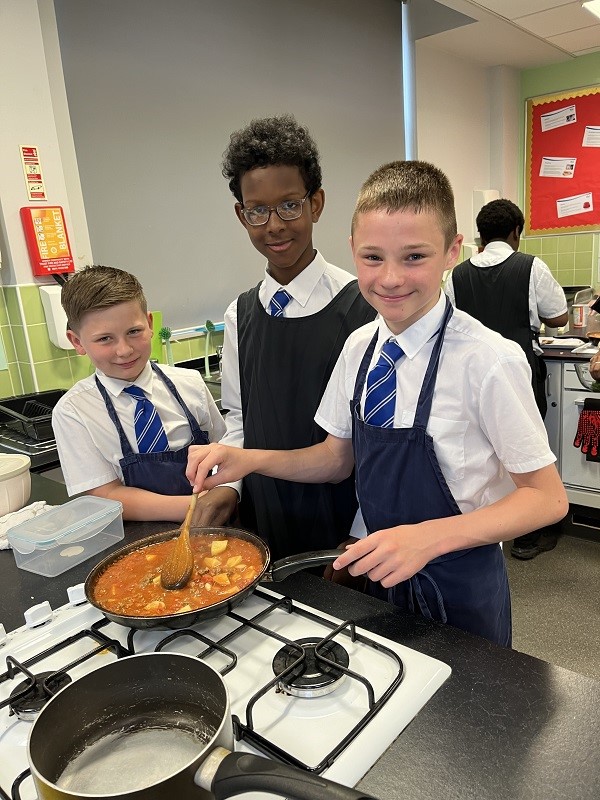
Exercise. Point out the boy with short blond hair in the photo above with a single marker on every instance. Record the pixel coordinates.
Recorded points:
(123, 433)
(436, 411)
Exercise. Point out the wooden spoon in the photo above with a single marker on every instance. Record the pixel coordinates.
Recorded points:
(177, 569)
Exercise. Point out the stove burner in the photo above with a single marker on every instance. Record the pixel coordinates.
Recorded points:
(37, 695)
(312, 677)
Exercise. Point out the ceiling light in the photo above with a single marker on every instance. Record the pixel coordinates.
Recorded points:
(593, 6)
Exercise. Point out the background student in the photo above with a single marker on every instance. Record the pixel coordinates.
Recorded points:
(123, 433)
(283, 337)
(437, 412)
(512, 293)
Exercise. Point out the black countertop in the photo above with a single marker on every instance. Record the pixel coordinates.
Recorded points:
(505, 725)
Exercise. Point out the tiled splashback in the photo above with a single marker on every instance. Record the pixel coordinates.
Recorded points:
(572, 258)
(31, 357)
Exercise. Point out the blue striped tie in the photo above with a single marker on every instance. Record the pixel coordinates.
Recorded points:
(149, 431)
(380, 400)
(278, 303)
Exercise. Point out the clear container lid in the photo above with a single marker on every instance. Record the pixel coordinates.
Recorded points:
(74, 521)
(12, 465)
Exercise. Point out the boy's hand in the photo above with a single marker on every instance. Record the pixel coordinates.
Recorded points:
(233, 464)
(215, 508)
(343, 576)
(389, 556)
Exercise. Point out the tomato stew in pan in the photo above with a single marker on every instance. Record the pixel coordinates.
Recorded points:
(222, 566)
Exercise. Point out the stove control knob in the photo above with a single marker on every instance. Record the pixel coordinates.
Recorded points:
(37, 615)
(77, 594)
(3, 634)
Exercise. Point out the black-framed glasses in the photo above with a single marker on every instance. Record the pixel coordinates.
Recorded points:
(287, 211)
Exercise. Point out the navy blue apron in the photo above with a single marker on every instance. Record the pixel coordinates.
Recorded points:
(163, 473)
(403, 486)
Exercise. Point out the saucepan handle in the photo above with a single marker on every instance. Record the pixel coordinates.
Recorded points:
(227, 774)
(287, 566)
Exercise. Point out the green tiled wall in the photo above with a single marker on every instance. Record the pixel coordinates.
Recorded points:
(572, 258)
(30, 352)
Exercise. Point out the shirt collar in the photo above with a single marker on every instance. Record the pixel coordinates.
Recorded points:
(115, 386)
(493, 253)
(418, 334)
(303, 284)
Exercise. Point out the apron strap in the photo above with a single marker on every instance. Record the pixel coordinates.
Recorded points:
(417, 590)
(426, 395)
(362, 374)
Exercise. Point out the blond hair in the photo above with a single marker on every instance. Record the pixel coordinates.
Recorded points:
(409, 186)
(97, 287)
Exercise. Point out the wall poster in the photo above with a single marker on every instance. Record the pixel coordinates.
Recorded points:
(562, 163)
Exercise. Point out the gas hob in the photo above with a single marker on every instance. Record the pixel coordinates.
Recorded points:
(335, 721)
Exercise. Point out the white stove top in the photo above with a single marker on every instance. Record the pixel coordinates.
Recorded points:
(308, 729)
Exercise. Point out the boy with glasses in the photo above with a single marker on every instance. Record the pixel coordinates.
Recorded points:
(282, 338)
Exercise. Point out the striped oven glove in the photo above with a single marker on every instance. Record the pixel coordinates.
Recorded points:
(588, 430)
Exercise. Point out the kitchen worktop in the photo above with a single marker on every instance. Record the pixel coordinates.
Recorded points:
(505, 725)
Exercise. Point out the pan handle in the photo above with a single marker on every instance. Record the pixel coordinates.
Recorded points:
(226, 774)
(287, 566)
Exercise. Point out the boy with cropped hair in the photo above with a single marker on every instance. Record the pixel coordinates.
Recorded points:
(436, 411)
(282, 338)
(123, 433)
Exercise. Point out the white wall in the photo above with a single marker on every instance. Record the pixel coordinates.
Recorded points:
(467, 118)
(154, 91)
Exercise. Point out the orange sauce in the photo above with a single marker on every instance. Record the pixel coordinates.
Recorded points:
(222, 566)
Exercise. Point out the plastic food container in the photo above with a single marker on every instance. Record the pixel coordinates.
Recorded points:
(15, 482)
(66, 535)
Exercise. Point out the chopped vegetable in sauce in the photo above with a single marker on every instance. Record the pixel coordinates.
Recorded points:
(131, 584)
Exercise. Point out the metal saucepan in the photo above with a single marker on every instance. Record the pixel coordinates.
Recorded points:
(153, 726)
(276, 572)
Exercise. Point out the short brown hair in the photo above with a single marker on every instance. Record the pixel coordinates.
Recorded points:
(96, 287)
(409, 185)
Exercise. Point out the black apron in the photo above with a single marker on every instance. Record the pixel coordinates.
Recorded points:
(163, 473)
(285, 364)
(498, 296)
(404, 486)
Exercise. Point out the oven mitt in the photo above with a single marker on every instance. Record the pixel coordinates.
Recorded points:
(588, 430)
(9, 521)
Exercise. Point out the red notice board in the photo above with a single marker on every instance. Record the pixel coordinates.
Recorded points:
(562, 164)
(47, 240)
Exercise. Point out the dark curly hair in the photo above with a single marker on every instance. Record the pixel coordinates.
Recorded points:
(272, 141)
(498, 219)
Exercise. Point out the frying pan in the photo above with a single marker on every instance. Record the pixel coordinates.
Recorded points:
(90, 741)
(275, 572)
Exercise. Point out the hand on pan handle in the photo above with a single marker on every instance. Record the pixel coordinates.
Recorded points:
(227, 774)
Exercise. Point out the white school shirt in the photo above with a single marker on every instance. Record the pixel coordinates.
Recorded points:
(484, 420)
(87, 440)
(546, 295)
(311, 290)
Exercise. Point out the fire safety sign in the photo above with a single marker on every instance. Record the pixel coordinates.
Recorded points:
(47, 240)
(33, 173)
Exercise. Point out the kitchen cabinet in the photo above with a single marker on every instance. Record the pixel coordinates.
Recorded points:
(566, 394)
(552, 419)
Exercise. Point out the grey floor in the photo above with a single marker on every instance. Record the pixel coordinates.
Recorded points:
(556, 605)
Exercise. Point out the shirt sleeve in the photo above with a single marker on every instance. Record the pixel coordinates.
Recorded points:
(333, 413)
(519, 438)
(82, 463)
(550, 296)
(231, 395)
